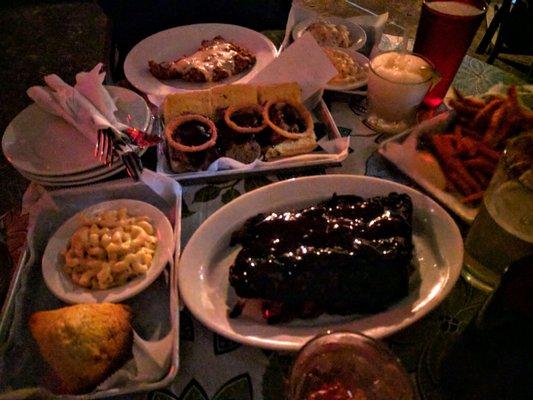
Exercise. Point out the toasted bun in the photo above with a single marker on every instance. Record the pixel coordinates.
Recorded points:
(227, 95)
(279, 91)
(291, 147)
(196, 102)
(83, 344)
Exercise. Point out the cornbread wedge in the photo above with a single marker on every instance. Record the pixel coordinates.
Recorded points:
(227, 95)
(279, 91)
(83, 344)
(197, 102)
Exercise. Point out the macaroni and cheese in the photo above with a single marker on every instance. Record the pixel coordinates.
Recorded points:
(109, 249)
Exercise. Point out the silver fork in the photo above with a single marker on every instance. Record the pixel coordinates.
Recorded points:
(107, 146)
(105, 149)
(132, 161)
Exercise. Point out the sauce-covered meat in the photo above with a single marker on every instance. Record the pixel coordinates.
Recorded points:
(345, 255)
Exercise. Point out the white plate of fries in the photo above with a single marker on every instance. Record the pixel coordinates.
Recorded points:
(454, 155)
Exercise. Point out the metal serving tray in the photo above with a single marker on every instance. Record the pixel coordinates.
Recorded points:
(28, 292)
(321, 114)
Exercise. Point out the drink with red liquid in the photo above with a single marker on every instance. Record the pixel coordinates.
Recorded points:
(445, 32)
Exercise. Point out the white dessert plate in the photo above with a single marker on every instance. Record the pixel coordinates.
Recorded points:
(62, 286)
(357, 34)
(44, 145)
(205, 262)
(174, 43)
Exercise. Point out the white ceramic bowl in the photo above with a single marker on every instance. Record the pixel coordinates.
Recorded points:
(357, 34)
(62, 286)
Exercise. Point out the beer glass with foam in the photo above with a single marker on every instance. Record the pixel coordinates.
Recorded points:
(397, 83)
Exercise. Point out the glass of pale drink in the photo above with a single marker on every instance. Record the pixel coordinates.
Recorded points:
(503, 229)
(397, 84)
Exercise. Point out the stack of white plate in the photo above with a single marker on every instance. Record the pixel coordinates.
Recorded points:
(47, 150)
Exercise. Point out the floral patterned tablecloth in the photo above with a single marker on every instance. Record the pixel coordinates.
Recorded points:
(212, 367)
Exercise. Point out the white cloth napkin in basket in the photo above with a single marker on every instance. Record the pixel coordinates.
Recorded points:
(87, 106)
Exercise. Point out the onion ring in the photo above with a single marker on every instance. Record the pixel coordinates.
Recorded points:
(175, 123)
(304, 114)
(244, 129)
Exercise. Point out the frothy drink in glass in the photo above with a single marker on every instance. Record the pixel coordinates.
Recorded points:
(503, 230)
(445, 32)
(397, 83)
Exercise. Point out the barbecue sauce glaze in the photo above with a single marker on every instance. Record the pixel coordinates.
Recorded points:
(343, 256)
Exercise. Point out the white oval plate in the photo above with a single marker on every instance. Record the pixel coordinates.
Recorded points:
(204, 265)
(357, 34)
(361, 60)
(62, 286)
(173, 43)
(42, 144)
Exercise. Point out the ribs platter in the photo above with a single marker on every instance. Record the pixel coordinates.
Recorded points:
(343, 256)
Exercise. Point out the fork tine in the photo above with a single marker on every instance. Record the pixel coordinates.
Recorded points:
(138, 162)
(130, 169)
(135, 163)
(104, 146)
(110, 149)
(98, 142)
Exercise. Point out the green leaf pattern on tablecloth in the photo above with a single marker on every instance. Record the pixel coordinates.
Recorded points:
(344, 131)
(185, 211)
(207, 193)
(237, 388)
(161, 395)
(194, 391)
(255, 182)
(221, 345)
(476, 77)
(229, 195)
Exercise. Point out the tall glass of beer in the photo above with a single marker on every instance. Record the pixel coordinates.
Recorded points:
(445, 32)
(503, 230)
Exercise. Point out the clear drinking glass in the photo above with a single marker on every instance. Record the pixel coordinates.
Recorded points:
(397, 83)
(349, 365)
(503, 229)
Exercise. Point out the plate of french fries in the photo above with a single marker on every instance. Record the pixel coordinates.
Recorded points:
(454, 155)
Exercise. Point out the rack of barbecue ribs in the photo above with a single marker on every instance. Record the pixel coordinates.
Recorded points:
(343, 256)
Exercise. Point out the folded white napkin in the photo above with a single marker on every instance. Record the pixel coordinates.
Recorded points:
(150, 362)
(86, 106)
(293, 65)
